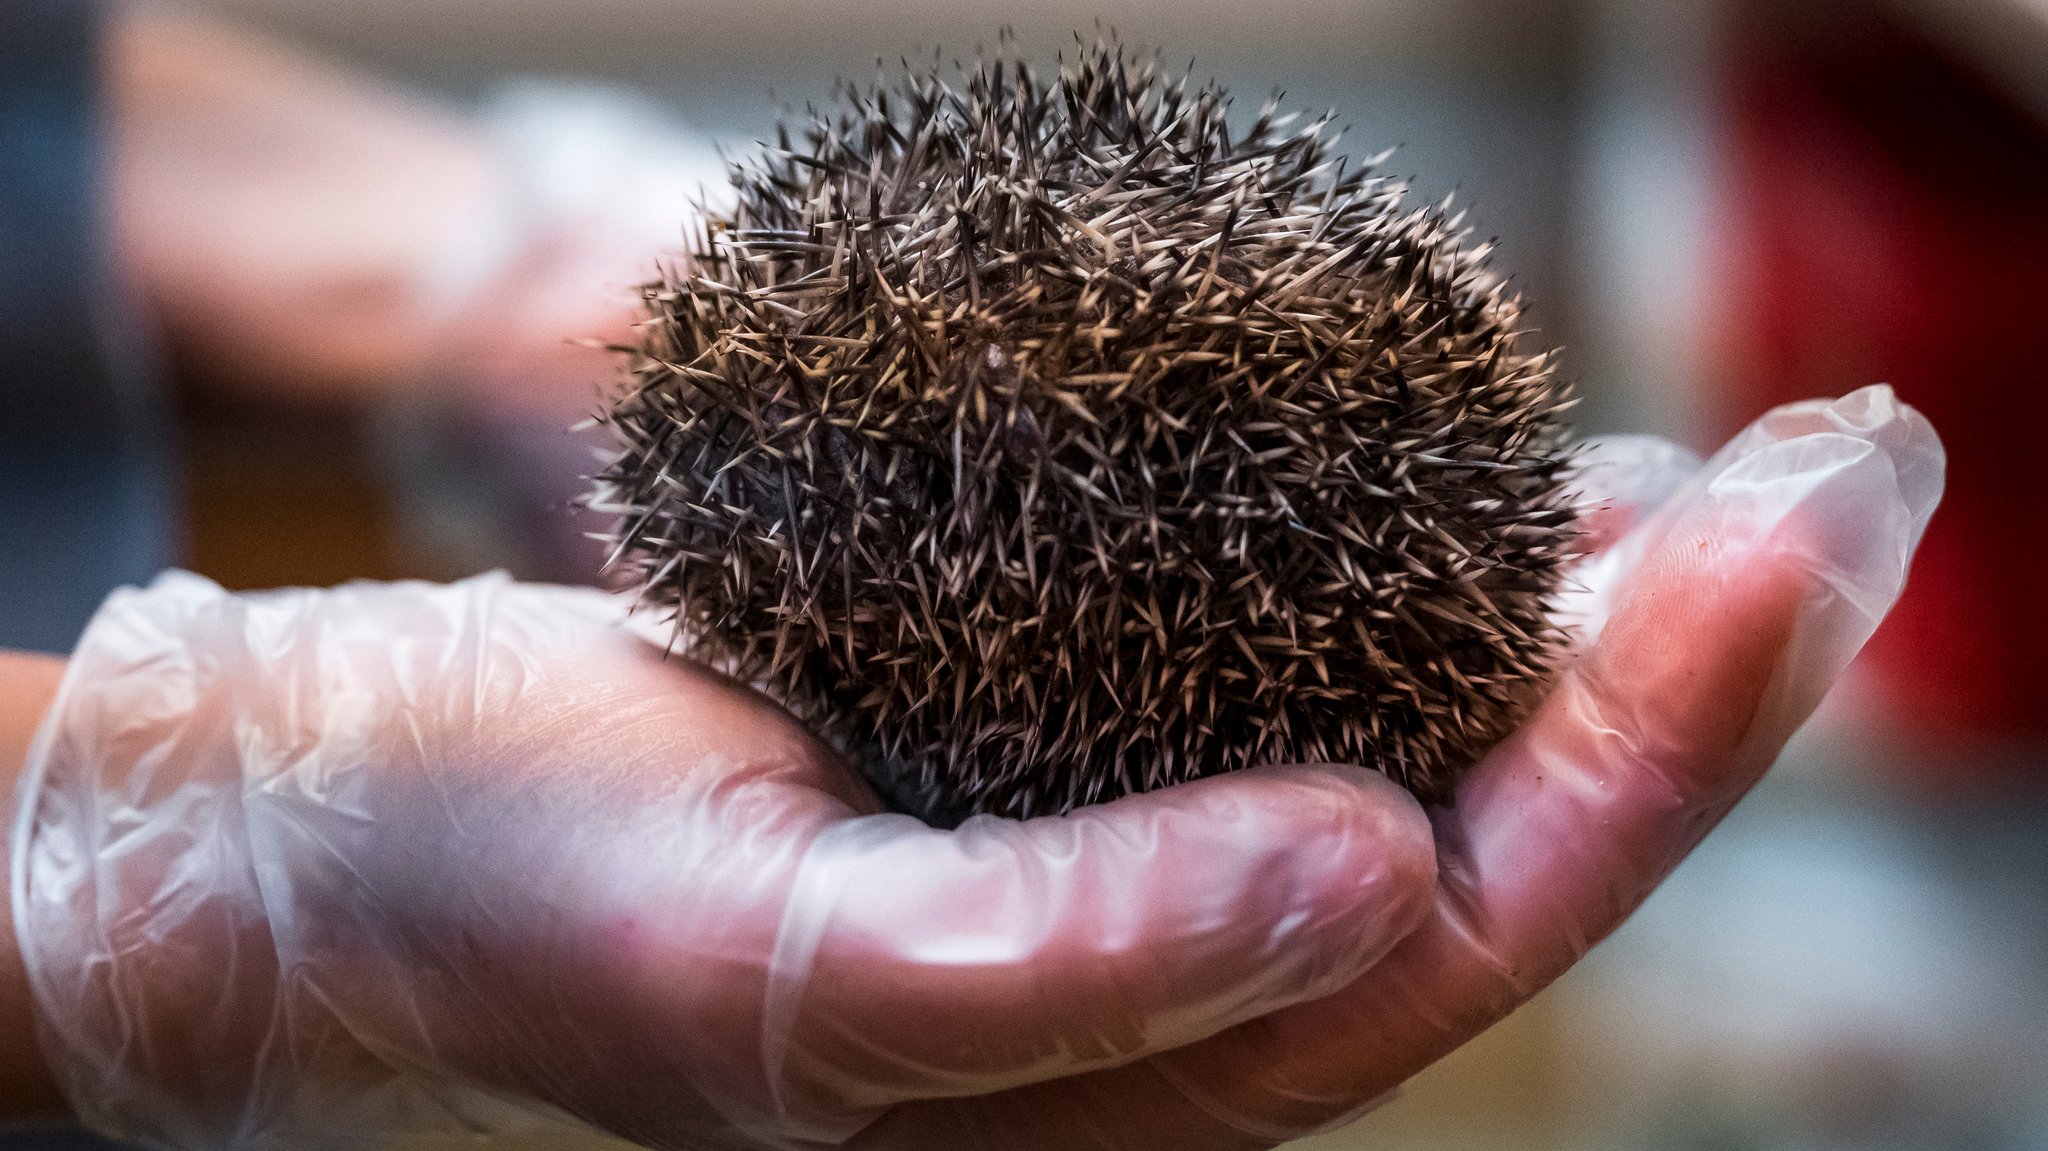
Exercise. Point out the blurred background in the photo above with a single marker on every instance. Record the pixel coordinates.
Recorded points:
(1713, 205)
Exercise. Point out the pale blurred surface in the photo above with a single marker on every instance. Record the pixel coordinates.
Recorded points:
(1850, 962)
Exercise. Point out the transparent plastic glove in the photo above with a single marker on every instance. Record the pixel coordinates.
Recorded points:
(330, 868)
(317, 867)
(587, 192)
(1733, 604)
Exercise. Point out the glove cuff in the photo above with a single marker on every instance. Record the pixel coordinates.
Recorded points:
(173, 806)
(129, 847)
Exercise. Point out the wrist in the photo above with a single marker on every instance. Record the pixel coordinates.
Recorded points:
(28, 683)
(212, 811)
(139, 918)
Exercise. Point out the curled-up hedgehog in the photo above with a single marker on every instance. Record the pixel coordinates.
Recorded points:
(1041, 439)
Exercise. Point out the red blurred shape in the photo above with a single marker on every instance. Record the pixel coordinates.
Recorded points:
(1888, 221)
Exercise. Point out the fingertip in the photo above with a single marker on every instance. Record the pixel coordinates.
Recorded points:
(1867, 444)
(1300, 876)
(1379, 830)
(1354, 852)
(1763, 583)
(1623, 480)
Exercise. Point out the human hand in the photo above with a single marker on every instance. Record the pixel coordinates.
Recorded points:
(299, 229)
(331, 867)
(302, 232)
(591, 191)
(324, 866)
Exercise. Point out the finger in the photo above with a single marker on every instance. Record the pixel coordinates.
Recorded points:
(1622, 480)
(1621, 484)
(1874, 414)
(916, 963)
(1759, 590)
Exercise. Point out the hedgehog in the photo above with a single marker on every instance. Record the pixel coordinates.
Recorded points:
(1041, 439)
